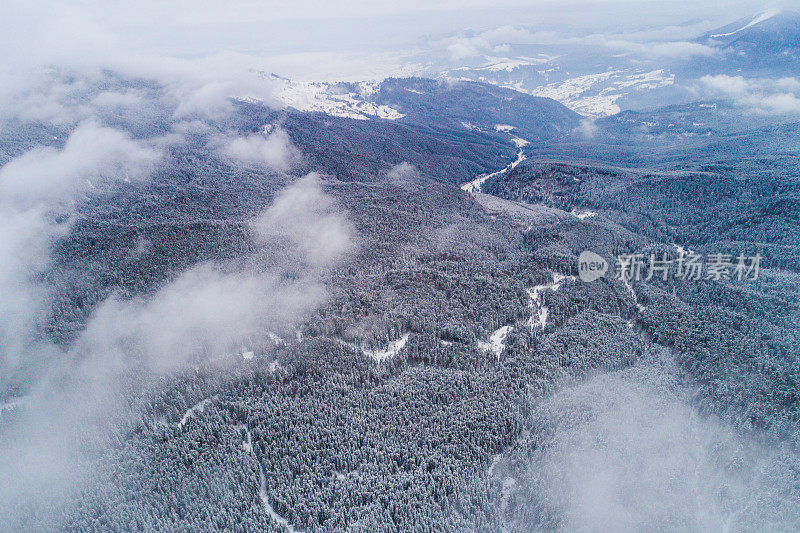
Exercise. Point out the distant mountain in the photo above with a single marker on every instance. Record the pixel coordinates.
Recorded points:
(602, 79)
(422, 101)
(449, 130)
(767, 40)
(476, 106)
(772, 30)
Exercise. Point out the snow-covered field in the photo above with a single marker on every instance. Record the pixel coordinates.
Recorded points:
(497, 64)
(328, 98)
(583, 214)
(12, 405)
(596, 95)
(475, 185)
(393, 348)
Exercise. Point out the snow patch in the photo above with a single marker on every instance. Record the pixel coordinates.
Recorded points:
(275, 338)
(596, 95)
(471, 127)
(12, 404)
(199, 407)
(330, 99)
(497, 340)
(509, 484)
(510, 65)
(507, 64)
(495, 461)
(541, 312)
(584, 214)
(391, 350)
(633, 294)
(681, 250)
(519, 141)
(247, 444)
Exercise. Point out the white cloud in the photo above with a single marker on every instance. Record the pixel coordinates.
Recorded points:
(494, 40)
(91, 152)
(274, 150)
(203, 314)
(403, 174)
(37, 193)
(731, 85)
(587, 128)
(208, 312)
(310, 219)
(646, 44)
(666, 49)
(780, 103)
(761, 95)
(627, 451)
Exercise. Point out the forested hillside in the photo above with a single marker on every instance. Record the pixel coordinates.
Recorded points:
(429, 358)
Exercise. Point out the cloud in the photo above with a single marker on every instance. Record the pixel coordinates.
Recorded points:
(731, 85)
(403, 174)
(468, 47)
(587, 128)
(58, 78)
(91, 152)
(626, 451)
(495, 40)
(761, 95)
(667, 49)
(208, 313)
(309, 221)
(80, 73)
(38, 190)
(25, 239)
(644, 44)
(203, 57)
(780, 103)
(211, 310)
(275, 150)
(204, 86)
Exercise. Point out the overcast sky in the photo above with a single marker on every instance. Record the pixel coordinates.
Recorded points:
(87, 32)
(217, 47)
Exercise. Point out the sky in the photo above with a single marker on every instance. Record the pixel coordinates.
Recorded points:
(355, 38)
(210, 49)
